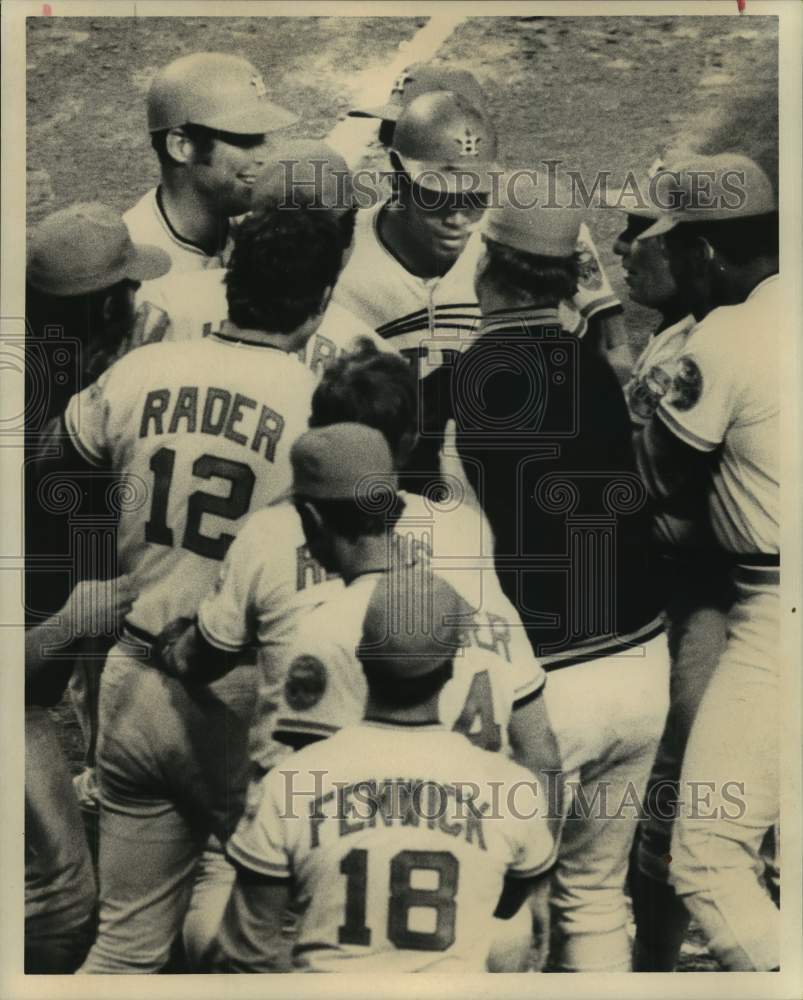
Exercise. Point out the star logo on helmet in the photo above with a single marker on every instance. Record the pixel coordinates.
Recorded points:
(400, 83)
(469, 143)
(259, 86)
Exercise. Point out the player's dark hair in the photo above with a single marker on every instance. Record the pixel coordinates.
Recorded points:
(369, 387)
(390, 691)
(100, 338)
(519, 273)
(737, 240)
(387, 130)
(284, 260)
(351, 520)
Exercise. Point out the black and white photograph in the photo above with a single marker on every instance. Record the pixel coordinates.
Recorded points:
(396, 401)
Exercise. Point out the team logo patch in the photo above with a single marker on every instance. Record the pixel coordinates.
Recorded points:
(645, 394)
(305, 684)
(469, 143)
(589, 273)
(687, 385)
(259, 86)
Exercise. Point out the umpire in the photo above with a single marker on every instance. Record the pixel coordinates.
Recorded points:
(545, 435)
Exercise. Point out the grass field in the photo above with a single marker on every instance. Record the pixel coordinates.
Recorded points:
(597, 93)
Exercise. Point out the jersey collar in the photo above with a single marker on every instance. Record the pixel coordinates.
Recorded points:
(232, 334)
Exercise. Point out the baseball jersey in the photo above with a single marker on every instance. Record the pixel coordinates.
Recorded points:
(654, 370)
(725, 396)
(147, 223)
(423, 317)
(194, 306)
(398, 838)
(270, 591)
(200, 435)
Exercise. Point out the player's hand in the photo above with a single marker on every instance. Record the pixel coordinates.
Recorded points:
(167, 641)
(98, 607)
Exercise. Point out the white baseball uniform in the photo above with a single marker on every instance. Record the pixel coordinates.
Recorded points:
(397, 863)
(194, 306)
(725, 398)
(269, 585)
(201, 433)
(411, 312)
(148, 223)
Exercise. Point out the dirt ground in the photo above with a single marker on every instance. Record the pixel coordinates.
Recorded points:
(598, 93)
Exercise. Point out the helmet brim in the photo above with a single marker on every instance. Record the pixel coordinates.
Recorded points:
(386, 112)
(255, 120)
(452, 178)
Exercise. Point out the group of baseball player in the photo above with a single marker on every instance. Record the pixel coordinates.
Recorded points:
(465, 626)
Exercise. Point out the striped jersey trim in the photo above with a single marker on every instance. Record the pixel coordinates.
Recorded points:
(698, 443)
(545, 865)
(224, 645)
(608, 646)
(306, 726)
(521, 700)
(239, 855)
(760, 575)
(598, 305)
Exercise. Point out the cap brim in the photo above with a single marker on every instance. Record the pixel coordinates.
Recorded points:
(615, 200)
(147, 263)
(662, 225)
(256, 120)
(387, 112)
(451, 178)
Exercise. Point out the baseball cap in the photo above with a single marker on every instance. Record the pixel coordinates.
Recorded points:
(413, 622)
(307, 171)
(213, 89)
(724, 187)
(440, 138)
(423, 78)
(638, 199)
(87, 247)
(344, 462)
(526, 218)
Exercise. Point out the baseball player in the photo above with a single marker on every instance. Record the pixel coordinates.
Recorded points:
(695, 581)
(365, 878)
(270, 581)
(716, 430)
(411, 276)
(208, 115)
(194, 305)
(201, 434)
(544, 432)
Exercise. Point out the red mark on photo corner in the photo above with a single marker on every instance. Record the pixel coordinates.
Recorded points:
(47, 10)
(741, 4)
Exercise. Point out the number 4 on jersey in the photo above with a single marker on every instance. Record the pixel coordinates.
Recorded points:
(479, 706)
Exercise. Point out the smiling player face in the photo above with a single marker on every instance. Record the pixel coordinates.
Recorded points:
(226, 175)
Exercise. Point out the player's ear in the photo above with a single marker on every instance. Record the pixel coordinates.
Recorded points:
(179, 145)
(704, 253)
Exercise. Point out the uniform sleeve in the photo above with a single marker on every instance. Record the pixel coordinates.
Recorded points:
(260, 842)
(594, 291)
(89, 418)
(225, 615)
(324, 688)
(700, 403)
(533, 847)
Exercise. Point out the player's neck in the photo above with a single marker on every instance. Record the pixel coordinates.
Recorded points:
(369, 554)
(188, 217)
(426, 713)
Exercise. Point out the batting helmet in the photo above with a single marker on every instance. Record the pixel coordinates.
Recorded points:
(424, 78)
(219, 91)
(445, 144)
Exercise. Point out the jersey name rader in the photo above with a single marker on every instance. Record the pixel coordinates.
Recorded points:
(214, 412)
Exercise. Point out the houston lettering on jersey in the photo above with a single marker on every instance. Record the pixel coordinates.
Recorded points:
(213, 411)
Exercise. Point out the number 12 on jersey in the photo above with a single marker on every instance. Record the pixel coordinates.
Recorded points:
(402, 898)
